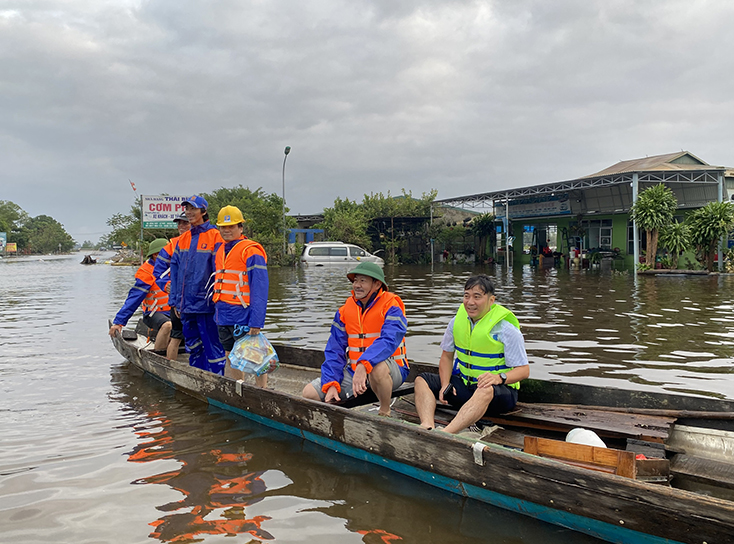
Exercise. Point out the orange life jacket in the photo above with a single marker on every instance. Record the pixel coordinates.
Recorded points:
(364, 327)
(156, 300)
(231, 284)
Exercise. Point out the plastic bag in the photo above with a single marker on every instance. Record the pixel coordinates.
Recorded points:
(254, 355)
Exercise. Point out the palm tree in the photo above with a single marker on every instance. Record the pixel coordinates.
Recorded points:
(675, 238)
(654, 210)
(482, 226)
(707, 226)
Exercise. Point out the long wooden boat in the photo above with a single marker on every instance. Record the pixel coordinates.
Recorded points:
(682, 492)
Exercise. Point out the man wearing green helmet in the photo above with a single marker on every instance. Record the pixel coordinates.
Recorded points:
(156, 312)
(366, 348)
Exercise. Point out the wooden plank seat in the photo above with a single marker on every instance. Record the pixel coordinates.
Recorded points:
(369, 396)
(619, 462)
(563, 418)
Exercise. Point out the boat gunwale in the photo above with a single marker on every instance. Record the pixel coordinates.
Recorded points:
(648, 501)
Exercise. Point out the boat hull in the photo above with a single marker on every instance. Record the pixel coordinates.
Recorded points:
(609, 507)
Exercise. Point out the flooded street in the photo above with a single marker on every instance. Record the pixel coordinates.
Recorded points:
(660, 333)
(94, 452)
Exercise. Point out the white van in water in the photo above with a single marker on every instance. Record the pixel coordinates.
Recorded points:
(326, 253)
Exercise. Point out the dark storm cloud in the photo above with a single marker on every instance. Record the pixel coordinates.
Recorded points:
(372, 96)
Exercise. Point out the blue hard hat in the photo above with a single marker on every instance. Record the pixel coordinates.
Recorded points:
(196, 201)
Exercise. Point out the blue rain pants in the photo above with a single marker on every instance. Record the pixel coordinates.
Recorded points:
(201, 336)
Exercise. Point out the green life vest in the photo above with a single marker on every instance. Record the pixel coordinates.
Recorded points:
(476, 351)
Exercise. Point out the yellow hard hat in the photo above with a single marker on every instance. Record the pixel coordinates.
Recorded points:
(229, 215)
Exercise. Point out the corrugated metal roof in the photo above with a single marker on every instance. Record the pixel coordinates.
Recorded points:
(654, 163)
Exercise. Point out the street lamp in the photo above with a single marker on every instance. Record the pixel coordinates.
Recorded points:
(285, 235)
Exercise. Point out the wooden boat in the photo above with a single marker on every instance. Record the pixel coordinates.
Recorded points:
(682, 492)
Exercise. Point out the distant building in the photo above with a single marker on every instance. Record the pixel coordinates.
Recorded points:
(592, 212)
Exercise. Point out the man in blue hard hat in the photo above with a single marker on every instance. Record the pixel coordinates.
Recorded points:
(192, 265)
(366, 347)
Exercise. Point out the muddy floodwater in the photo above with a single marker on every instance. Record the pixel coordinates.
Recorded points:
(92, 451)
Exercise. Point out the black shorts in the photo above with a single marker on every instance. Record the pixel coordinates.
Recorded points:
(176, 326)
(155, 321)
(505, 397)
(228, 337)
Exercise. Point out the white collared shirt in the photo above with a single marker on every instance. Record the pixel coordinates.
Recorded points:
(505, 332)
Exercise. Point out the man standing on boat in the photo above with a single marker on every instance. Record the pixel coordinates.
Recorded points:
(367, 343)
(240, 286)
(155, 302)
(192, 265)
(490, 363)
(162, 275)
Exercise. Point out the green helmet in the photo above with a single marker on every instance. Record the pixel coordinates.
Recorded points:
(368, 269)
(156, 245)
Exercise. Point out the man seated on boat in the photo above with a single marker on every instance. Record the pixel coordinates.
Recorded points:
(155, 302)
(366, 348)
(240, 287)
(490, 361)
(192, 265)
(162, 271)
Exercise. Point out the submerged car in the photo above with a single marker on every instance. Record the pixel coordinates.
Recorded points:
(326, 253)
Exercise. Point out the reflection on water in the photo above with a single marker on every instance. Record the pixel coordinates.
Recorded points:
(91, 453)
(658, 333)
(232, 476)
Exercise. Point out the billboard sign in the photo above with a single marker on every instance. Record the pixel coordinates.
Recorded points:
(537, 206)
(3, 241)
(159, 211)
(11, 247)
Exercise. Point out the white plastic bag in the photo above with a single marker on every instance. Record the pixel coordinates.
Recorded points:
(254, 355)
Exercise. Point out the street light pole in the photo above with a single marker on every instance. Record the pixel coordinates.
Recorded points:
(285, 235)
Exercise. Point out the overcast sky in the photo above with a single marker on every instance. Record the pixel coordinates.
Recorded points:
(465, 97)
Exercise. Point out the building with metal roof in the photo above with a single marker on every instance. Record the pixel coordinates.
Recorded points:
(597, 206)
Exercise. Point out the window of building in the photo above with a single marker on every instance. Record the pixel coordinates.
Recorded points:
(528, 238)
(631, 239)
(599, 233)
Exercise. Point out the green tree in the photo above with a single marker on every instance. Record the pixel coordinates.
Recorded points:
(482, 227)
(263, 213)
(12, 219)
(654, 210)
(126, 229)
(379, 208)
(675, 239)
(377, 205)
(46, 235)
(707, 226)
(346, 221)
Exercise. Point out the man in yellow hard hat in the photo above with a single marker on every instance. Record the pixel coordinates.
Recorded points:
(240, 286)
(155, 302)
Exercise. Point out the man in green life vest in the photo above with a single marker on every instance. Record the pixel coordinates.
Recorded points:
(482, 363)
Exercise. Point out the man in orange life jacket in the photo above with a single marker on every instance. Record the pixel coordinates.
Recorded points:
(155, 302)
(240, 287)
(366, 347)
(161, 271)
(192, 265)
(489, 366)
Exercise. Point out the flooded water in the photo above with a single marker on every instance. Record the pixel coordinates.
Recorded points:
(657, 333)
(91, 451)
